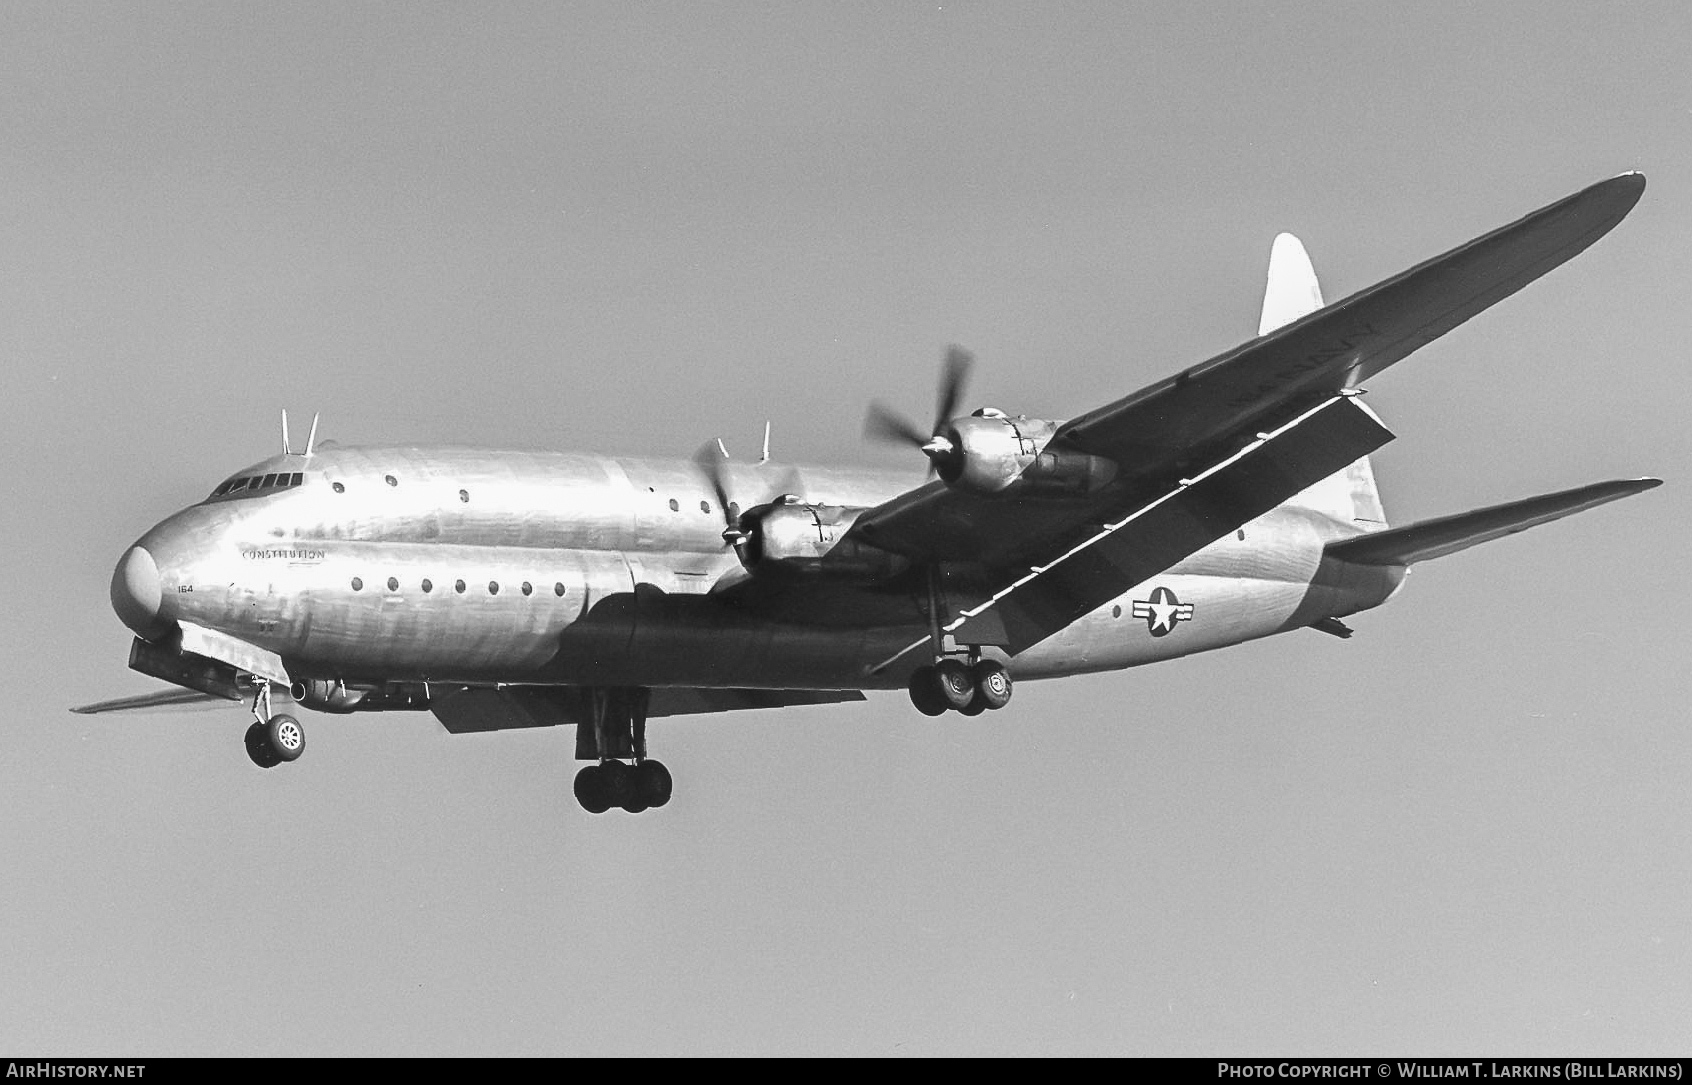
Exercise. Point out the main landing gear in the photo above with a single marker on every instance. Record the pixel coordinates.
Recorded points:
(949, 684)
(616, 730)
(953, 685)
(271, 740)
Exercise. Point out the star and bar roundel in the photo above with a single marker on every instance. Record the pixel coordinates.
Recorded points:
(1162, 612)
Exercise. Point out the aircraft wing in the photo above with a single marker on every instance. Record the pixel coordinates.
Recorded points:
(470, 711)
(1193, 513)
(1346, 343)
(168, 698)
(1198, 417)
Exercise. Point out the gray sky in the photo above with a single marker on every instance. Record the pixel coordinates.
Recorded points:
(632, 228)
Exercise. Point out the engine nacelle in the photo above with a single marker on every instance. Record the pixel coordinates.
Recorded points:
(1067, 472)
(332, 696)
(990, 453)
(792, 537)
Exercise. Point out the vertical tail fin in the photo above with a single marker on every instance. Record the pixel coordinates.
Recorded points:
(1349, 496)
(1293, 292)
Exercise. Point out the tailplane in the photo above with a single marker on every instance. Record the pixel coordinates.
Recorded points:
(1293, 292)
(1436, 538)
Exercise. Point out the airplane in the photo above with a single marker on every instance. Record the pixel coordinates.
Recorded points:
(505, 589)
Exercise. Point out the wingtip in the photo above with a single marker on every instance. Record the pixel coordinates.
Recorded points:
(1609, 200)
(1627, 487)
(1632, 183)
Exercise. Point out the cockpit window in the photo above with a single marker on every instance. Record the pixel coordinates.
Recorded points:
(247, 485)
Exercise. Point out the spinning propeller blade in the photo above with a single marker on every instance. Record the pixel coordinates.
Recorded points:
(712, 461)
(883, 423)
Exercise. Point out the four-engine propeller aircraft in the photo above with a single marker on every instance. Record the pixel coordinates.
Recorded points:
(512, 589)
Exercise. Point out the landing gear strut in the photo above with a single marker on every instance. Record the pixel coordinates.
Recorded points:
(271, 740)
(949, 683)
(616, 729)
(952, 685)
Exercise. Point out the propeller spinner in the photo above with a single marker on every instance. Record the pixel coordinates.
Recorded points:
(883, 423)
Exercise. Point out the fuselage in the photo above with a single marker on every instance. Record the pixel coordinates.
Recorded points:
(410, 564)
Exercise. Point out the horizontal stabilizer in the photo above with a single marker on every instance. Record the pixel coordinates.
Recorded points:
(1449, 534)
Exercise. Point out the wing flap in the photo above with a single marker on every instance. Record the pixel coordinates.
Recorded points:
(690, 702)
(1186, 519)
(471, 711)
(1449, 534)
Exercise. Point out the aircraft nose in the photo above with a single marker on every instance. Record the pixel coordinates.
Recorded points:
(137, 594)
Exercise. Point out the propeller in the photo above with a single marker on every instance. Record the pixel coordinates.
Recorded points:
(712, 460)
(884, 424)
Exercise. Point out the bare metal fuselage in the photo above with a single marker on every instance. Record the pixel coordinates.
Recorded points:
(476, 567)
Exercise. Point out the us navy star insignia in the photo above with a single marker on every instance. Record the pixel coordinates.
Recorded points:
(1162, 612)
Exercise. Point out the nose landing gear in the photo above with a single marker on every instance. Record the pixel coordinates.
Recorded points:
(617, 730)
(272, 740)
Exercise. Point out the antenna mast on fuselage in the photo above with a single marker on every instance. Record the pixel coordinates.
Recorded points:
(311, 438)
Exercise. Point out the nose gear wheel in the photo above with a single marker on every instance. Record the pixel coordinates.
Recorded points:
(272, 739)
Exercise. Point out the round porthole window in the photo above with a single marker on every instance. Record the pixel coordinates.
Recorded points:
(390, 480)
(358, 584)
(458, 586)
(558, 589)
(493, 587)
(428, 585)
(338, 488)
(393, 583)
(528, 588)
(464, 496)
